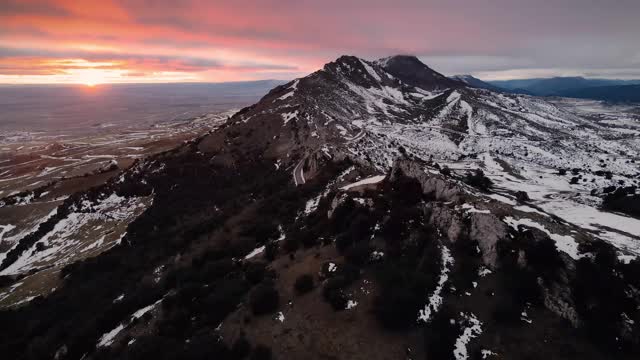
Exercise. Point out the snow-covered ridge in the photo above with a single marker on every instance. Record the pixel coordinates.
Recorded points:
(519, 141)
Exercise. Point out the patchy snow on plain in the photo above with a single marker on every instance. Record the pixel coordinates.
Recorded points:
(69, 237)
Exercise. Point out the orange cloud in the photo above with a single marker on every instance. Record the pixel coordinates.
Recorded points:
(286, 38)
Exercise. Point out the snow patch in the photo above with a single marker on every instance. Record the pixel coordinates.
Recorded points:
(435, 300)
(371, 180)
(474, 329)
(564, 243)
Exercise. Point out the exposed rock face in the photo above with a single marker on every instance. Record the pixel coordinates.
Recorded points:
(446, 220)
(487, 230)
(557, 298)
(433, 185)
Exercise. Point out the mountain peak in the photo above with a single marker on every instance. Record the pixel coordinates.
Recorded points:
(398, 58)
(410, 70)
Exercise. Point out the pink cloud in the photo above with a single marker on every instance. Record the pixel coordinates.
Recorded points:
(303, 34)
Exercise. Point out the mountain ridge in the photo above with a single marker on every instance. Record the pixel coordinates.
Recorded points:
(555, 86)
(358, 212)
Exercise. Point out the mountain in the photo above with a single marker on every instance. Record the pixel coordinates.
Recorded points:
(556, 86)
(616, 93)
(370, 210)
(475, 82)
(515, 83)
(412, 71)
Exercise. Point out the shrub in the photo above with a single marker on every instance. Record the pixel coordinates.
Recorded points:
(261, 352)
(271, 250)
(240, 348)
(522, 196)
(333, 289)
(358, 254)
(445, 171)
(291, 244)
(479, 180)
(623, 199)
(215, 269)
(343, 242)
(264, 298)
(562, 172)
(543, 256)
(303, 284)
(441, 334)
(336, 298)
(574, 180)
(397, 307)
(254, 272)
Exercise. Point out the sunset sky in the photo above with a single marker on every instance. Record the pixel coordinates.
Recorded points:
(71, 41)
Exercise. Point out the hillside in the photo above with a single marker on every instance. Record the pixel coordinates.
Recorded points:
(370, 210)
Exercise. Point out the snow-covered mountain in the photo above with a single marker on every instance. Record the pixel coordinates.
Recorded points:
(363, 110)
(372, 209)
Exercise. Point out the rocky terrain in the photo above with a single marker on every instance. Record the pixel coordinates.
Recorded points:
(370, 210)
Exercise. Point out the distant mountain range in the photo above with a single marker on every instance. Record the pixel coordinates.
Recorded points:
(615, 93)
(600, 89)
(576, 87)
(472, 81)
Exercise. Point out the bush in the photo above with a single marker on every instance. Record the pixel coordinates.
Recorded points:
(441, 334)
(215, 269)
(522, 196)
(336, 298)
(303, 284)
(343, 242)
(333, 289)
(479, 180)
(240, 348)
(445, 171)
(623, 199)
(397, 307)
(261, 352)
(254, 272)
(264, 298)
(358, 254)
(271, 250)
(574, 180)
(291, 244)
(544, 258)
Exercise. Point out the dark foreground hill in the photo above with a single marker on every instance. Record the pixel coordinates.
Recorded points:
(328, 221)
